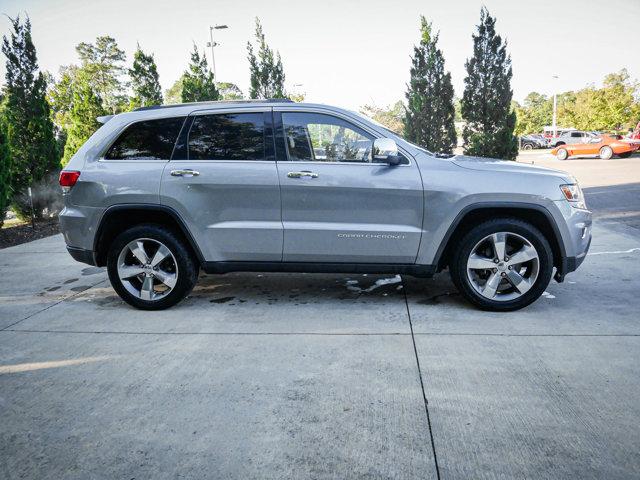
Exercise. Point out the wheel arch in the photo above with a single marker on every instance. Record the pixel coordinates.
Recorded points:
(118, 218)
(475, 214)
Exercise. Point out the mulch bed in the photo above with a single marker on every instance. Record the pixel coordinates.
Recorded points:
(11, 236)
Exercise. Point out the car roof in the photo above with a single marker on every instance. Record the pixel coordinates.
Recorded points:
(184, 109)
(216, 103)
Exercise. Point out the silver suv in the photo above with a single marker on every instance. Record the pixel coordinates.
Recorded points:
(161, 192)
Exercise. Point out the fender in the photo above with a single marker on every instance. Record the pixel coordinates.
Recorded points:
(151, 208)
(498, 205)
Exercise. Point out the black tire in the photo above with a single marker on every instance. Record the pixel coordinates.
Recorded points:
(464, 247)
(527, 146)
(625, 154)
(187, 265)
(562, 154)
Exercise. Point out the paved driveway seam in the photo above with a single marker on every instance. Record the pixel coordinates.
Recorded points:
(424, 395)
(52, 305)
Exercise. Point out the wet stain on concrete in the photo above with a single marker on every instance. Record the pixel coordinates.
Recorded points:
(221, 299)
(436, 299)
(92, 270)
(71, 280)
(52, 289)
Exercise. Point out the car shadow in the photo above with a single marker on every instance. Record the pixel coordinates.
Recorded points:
(615, 203)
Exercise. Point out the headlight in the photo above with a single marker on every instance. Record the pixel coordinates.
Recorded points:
(574, 195)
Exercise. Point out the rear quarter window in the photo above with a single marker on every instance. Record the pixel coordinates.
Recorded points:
(146, 140)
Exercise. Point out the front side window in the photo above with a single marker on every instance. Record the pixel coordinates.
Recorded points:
(147, 140)
(229, 136)
(323, 138)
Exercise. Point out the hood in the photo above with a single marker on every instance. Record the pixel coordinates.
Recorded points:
(508, 166)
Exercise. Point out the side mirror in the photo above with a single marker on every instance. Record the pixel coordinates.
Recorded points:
(386, 150)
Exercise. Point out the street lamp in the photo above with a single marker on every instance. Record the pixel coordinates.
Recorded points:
(213, 44)
(555, 109)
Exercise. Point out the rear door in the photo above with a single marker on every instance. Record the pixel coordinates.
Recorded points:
(222, 180)
(338, 206)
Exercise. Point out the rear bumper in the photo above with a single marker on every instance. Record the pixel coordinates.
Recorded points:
(82, 255)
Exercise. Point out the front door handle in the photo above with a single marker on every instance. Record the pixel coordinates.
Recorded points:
(185, 173)
(304, 173)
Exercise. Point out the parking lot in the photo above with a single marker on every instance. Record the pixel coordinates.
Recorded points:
(327, 376)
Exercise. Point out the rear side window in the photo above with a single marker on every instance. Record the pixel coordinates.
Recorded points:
(230, 136)
(148, 140)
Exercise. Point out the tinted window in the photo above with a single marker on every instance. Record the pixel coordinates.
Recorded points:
(232, 136)
(324, 138)
(148, 140)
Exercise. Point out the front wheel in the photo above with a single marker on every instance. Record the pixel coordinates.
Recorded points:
(150, 267)
(606, 152)
(502, 265)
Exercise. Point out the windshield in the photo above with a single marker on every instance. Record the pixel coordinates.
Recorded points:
(391, 132)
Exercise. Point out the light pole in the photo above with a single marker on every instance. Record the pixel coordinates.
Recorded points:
(555, 109)
(213, 44)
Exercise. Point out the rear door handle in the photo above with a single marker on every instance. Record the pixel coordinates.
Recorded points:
(304, 173)
(185, 173)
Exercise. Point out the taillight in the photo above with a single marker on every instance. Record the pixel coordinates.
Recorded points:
(68, 179)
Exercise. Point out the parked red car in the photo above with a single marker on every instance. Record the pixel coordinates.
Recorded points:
(605, 146)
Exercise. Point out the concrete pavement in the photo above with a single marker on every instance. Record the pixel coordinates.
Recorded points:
(316, 376)
(326, 376)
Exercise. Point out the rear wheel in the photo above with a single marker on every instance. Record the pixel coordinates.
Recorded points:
(606, 152)
(527, 146)
(502, 265)
(562, 154)
(625, 154)
(150, 267)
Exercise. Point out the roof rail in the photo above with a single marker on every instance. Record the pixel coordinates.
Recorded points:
(216, 102)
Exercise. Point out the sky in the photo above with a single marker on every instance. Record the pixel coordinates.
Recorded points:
(345, 52)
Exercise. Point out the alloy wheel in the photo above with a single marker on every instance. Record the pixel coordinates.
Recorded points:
(503, 266)
(147, 269)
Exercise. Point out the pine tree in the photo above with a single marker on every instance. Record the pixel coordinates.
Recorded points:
(87, 106)
(29, 131)
(144, 81)
(198, 84)
(266, 70)
(486, 102)
(430, 114)
(104, 62)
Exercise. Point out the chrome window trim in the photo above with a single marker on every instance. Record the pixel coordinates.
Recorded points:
(227, 111)
(367, 128)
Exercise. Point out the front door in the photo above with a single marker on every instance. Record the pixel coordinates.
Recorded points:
(337, 205)
(222, 180)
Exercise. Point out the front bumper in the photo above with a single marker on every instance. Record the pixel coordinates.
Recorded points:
(578, 239)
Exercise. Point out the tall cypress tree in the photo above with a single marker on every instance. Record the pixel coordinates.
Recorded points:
(198, 84)
(29, 131)
(266, 70)
(430, 114)
(486, 102)
(5, 173)
(144, 81)
(86, 107)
